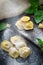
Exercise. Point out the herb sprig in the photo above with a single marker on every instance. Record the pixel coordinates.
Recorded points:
(40, 42)
(35, 9)
(4, 26)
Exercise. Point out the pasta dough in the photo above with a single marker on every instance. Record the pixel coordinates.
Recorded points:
(5, 45)
(24, 52)
(13, 52)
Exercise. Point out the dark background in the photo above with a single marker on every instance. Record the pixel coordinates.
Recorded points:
(36, 57)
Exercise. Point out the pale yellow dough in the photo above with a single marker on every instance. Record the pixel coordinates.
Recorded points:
(24, 52)
(18, 41)
(5, 45)
(13, 52)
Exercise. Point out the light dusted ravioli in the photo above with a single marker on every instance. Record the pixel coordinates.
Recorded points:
(18, 41)
(5, 45)
(24, 52)
(25, 23)
(13, 52)
(14, 39)
(20, 44)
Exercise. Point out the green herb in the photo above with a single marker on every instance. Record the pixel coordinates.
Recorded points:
(38, 15)
(29, 11)
(33, 9)
(34, 6)
(34, 2)
(40, 42)
(40, 7)
(4, 26)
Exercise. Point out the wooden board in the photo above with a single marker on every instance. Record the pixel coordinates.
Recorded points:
(32, 34)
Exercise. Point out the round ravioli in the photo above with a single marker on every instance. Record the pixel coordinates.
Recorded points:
(15, 39)
(13, 52)
(24, 52)
(5, 45)
(18, 41)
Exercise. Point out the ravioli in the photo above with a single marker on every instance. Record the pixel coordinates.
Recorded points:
(25, 23)
(18, 42)
(14, 39)
(24, 52)
(5, 45)
(13, 52)
(16, 48)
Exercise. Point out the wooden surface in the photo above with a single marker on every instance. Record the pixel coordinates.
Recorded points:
(32, 34)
